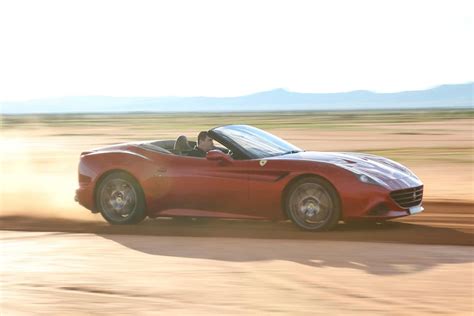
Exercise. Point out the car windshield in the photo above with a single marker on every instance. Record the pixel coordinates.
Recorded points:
(254, 141)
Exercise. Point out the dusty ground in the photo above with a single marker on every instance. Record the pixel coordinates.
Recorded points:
(421, 264)
(57, 258)
(109, 274)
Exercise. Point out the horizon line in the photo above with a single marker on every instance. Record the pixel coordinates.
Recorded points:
(234, 96)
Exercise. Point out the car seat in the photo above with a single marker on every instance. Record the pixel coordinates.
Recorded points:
(181, 145)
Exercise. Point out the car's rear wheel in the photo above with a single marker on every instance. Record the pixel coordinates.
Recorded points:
(313, 204)
(120, 199)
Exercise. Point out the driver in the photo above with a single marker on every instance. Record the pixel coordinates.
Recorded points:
(204, 144)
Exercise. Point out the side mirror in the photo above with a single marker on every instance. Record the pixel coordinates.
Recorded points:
(217, 155)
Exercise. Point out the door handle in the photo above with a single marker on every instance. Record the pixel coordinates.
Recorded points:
(159, 172)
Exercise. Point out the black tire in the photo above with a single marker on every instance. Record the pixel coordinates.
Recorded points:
(120, 199)
(313, 204)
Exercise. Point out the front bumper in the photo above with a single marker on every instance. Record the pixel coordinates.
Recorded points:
(377, 203)
(389, 210)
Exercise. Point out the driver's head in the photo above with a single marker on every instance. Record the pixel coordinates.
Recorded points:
(205, 143)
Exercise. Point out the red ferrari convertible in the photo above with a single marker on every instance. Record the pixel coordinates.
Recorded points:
(251, 174)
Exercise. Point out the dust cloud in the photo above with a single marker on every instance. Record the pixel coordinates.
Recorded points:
(39, 180)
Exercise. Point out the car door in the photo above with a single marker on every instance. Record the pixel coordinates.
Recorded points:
(200, 184)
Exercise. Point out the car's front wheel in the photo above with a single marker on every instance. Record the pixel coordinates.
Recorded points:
(120, 199)
(313, 204)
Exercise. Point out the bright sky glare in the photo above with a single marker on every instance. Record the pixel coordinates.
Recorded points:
(229, 48)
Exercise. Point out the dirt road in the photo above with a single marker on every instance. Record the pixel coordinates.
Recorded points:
(420, 265)
(60, 273)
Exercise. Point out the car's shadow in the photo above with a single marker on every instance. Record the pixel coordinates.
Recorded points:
(391, 232)
(255, 243)
(389, 248)
(396, 232)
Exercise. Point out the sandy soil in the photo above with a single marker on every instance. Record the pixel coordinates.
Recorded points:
(421, 264)
(107, 274)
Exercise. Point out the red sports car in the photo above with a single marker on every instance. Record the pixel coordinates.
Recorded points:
(252, 174)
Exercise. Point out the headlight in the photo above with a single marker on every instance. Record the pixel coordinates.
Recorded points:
(364, 177)
(370, 180)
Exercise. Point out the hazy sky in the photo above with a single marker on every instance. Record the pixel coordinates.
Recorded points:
(228, 48)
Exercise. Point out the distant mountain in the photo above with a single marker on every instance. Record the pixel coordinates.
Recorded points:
(445, 96)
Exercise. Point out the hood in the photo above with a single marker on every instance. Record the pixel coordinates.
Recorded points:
(387, 171)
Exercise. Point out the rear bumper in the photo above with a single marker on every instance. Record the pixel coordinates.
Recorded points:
(85, 197)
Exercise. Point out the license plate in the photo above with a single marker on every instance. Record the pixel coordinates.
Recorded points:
(415, 209)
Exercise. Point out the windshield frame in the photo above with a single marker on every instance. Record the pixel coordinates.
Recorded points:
(226, 135)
